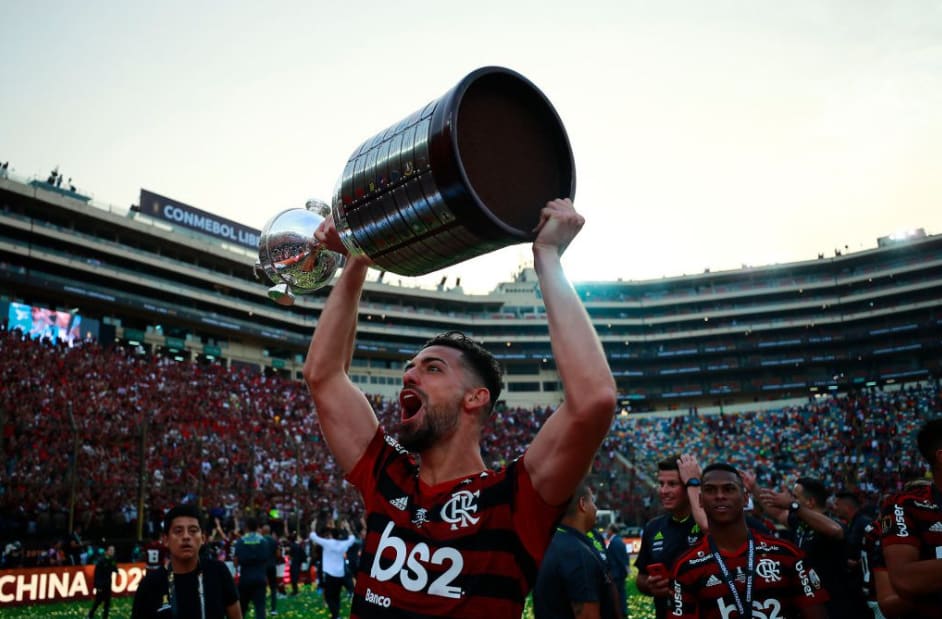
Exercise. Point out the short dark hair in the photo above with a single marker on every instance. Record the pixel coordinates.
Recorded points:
(251, 523)
(722, 466)
(916, 483)
(669, 464)
(581, 491)
(929, 440)
(184, 510)
(477, 358)
(815, 489)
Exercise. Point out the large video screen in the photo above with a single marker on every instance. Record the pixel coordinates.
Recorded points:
(38, 322)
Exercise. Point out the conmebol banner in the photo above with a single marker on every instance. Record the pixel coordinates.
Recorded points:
(178, 213)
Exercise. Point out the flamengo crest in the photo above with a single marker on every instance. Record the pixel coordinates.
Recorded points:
(459, 508)
(769, 570)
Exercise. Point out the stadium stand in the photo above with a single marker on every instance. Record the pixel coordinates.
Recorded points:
(179, 282)
(181, 380)
(241, 442)
(237, 441)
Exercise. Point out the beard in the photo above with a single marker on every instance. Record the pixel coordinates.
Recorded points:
(440, 421)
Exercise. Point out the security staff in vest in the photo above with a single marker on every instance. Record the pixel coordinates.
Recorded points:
(574, 581)
(251, 558)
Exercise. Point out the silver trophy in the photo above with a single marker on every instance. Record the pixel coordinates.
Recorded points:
(464, 175)
(291, 257)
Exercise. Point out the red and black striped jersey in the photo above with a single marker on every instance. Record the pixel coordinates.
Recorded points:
(155, 555)
(914, 517)
(468, 548)
(783, 583)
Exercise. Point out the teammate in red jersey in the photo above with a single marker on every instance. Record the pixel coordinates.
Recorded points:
(912, 533)
(155, 553)
(450, 538)
(881, 597)
(735, 571)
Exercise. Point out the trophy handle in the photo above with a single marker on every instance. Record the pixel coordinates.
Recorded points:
(290, 257)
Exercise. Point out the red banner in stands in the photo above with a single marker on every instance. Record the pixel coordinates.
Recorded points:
(60, 584)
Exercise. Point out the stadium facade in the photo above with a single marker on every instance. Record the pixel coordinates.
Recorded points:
(178, 282)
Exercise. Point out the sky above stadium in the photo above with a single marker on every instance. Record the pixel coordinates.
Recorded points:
(706, 134)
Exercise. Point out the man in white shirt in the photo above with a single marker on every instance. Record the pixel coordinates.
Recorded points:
(333, 564)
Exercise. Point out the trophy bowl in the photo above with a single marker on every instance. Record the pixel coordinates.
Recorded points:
(291, 258)
(464, 175)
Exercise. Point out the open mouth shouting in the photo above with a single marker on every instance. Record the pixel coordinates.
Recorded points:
(410, 404)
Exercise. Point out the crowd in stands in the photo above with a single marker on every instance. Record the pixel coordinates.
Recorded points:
(239, 442)
(860, 442)
(77, 421)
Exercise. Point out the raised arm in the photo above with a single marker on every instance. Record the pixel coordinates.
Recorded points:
(313, 536)
(222, 533)
(563, 449)
(351, 539)
(689, 468)
(345, 415)
(759, 505)
(816, 520)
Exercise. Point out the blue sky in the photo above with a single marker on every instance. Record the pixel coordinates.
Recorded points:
(706, 134)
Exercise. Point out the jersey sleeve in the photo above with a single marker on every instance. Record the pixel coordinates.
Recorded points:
(898, 524)
(643, 559)
(534, 519)
(809, 591)
(683, 600)
(365, 473)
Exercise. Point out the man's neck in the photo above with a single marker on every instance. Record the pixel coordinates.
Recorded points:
(729, 536)
(680, 514)
(183, 566)
(454, 458)
(575, 523)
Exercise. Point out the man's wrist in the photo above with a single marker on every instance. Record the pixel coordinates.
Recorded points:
(693, 482)
(542, 251)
